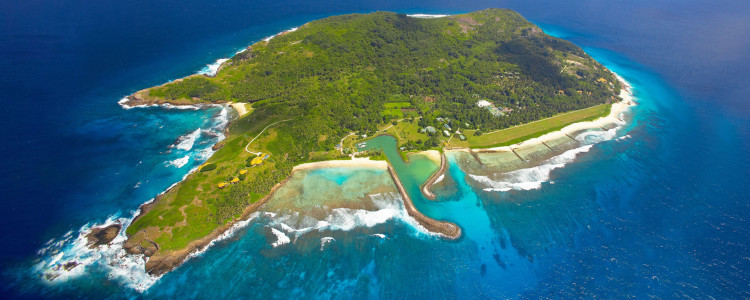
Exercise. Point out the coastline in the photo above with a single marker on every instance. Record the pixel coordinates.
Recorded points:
(356, 162)
(158, 263)
(613, 118)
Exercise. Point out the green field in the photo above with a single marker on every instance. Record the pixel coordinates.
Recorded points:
(510, 136)
(398, 105)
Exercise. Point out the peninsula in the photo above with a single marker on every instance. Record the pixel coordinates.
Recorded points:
(313, 94)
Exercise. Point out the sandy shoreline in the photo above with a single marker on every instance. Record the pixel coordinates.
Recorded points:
(613, 118)
(356, 162)
(240, 107)
(433, 155)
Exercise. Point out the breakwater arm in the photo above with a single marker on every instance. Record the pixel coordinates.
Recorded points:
(447, 229)
(428, 184)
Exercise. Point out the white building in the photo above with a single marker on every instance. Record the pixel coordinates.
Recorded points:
(483, 103)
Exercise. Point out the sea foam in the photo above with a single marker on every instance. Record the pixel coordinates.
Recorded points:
(530, 178)
(112, 258)
(212, 69)
(389, 206)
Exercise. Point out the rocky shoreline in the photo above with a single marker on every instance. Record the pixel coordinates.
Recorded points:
(103, 235)
(159, 263)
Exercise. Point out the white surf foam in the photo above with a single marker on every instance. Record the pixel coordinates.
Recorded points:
(72, 248)
(112, 258)
(440, 178)
(530, 178)
(325, 241)
(389, 206)
(268, 39)
(180, 162)
(281, 238)
(187, 141)
(212, 69)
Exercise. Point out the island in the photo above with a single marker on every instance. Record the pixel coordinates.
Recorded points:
(316, 96)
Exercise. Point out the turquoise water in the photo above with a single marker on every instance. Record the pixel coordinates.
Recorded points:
(413, 173)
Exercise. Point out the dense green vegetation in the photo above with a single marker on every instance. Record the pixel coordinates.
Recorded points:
(524, 132)
(362, 74)
(353, 72)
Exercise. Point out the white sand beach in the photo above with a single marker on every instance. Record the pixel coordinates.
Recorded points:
(240, 107)
(356, 162)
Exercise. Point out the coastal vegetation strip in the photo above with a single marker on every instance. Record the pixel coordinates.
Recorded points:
(520, 133)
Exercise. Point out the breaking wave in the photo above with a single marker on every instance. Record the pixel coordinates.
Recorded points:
(187, 141)
(530, 178)
(389, 206)
(180, 162)
(212, 69)
(70, 257)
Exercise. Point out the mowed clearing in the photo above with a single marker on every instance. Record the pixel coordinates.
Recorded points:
(516, 134)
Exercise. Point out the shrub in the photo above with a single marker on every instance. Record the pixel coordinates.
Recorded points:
(208, 167)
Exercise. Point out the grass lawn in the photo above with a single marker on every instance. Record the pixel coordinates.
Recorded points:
(407, 131)
(512, 135)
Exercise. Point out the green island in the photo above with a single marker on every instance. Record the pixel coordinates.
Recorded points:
(478, 80)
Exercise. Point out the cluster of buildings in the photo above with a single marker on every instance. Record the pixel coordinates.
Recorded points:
(495, 111)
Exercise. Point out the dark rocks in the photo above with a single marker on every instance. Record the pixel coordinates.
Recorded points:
(103, 235)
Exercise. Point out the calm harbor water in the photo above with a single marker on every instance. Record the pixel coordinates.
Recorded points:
(658, 210)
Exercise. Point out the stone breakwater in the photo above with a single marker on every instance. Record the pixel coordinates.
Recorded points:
(428, 184)
(447, 229)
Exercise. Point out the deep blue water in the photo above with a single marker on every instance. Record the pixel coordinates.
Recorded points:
(663, 213)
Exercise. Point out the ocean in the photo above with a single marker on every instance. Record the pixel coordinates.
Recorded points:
(658, 209)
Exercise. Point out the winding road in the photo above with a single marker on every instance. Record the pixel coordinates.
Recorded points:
(261, 132)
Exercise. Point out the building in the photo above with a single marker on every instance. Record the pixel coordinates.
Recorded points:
(446, 126)
(429, 129)
(446, 133)
(462, 137)
(483, 103)
(221, 185)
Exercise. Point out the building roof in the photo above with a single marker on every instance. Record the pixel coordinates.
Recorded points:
(483, 103)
